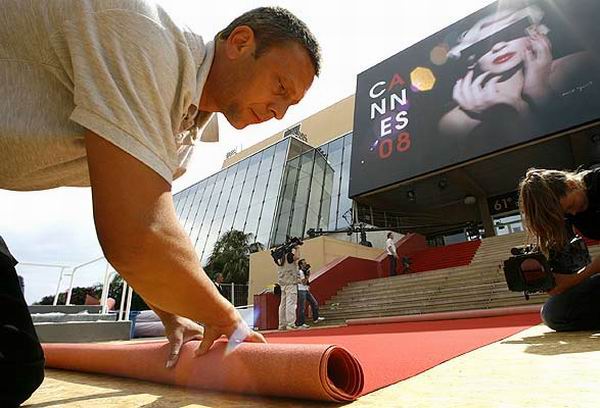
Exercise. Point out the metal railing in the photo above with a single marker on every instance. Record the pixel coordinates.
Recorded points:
(70, 271)
(60, 277)
(75, 269)
(237, 294)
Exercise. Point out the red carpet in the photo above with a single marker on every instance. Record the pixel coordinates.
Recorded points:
(293, 365)
(389, 353)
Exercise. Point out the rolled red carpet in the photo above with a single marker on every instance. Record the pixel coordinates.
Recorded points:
(309, 371)
(301, 364)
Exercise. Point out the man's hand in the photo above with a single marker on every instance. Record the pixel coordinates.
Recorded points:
(237, 332)
(179, 331)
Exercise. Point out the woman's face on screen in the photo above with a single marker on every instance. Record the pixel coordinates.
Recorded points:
(504, 56)
(505, 53)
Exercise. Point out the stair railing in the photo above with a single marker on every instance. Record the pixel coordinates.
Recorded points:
(75, 269)
(60, 276)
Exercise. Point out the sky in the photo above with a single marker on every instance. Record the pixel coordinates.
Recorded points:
(56, 226)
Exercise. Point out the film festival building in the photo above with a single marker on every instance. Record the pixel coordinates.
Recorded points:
(434, 142)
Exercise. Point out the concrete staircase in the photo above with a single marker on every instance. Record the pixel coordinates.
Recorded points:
(444, 257)
(479, 285)
(77, 324)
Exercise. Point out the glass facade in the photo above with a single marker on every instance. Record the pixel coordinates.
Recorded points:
(285, 189)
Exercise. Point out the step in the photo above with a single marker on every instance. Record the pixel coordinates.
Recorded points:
(430, 308)
(482, 298)
(70, 317)
(421, 278)
(83, 332)
(423, 284)
(419, 311)
(444, 293)
(64, 309)
(422, 287)
(344, 299)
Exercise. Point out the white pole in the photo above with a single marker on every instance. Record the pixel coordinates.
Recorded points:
(73, 276)
(55, 301)
(70, 291)
(105, 289)
(128, 306)
(123, 295)
(232, 293)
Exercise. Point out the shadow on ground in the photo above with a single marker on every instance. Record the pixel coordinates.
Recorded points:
(69, 389)
(555, 343)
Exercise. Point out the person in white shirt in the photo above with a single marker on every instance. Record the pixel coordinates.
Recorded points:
(390, 248)
(112, 95)
(287, 278)
(304, 296)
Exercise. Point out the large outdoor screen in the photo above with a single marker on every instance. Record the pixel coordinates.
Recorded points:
(500, 77)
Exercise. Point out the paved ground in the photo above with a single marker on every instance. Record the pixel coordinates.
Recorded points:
(534, 368)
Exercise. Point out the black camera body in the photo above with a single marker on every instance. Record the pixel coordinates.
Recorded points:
(278, 253)
(528, 270)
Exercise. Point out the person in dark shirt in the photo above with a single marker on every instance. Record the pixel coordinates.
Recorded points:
(549, 201)
(21, 356)
(218, 283)
(21, 283)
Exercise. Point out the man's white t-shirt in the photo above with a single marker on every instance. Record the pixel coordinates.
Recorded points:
(120, 68)
(390, 247)
(301, 276)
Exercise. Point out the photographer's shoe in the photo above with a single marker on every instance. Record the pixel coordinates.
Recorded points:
(304, 326)
(291, 326)
(319, 319)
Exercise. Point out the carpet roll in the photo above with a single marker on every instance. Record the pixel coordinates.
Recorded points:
(309, 371)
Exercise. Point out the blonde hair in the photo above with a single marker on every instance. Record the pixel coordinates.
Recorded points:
(540, 192)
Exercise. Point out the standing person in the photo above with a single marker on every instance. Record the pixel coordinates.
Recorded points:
(112, 95)
(304, 295)
(287, 278)
(21, 284)
(546, 199)
(390, 248)
(218, 284)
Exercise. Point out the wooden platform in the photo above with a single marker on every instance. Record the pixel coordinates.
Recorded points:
(534, 368)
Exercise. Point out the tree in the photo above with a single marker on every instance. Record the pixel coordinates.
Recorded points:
(115, 291)
(77, 295)
(231, 256)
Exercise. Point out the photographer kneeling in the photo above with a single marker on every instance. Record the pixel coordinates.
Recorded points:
(549, 201)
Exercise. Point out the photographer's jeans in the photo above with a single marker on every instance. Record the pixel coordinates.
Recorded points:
(393, 265)
(287, 305)
(303, 297)
(575, 309)
(21, 356)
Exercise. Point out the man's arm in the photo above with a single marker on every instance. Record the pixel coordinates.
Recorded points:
(564, 282)
(141, 237)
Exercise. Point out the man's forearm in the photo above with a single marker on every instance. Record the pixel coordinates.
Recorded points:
(591, 269)
(165, 258)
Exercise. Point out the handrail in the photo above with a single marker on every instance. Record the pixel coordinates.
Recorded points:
(62, 271)
(70, 291)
